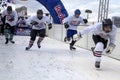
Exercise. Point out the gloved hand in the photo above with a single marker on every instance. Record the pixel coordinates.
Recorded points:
(49, 26)
(77, 37)
(24, 23)
(12, 19)
(110, 48)
(85, 21)
(34, 23)
(66, 25)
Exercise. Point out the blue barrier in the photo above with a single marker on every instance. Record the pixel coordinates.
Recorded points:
(56, 9)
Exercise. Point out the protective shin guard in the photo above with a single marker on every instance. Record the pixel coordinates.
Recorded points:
(98, 53)
(98, 59)
(40, 39)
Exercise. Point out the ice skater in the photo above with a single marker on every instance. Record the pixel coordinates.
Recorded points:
(38, 23)
(71, 23)
(10, 16)
(102, 32)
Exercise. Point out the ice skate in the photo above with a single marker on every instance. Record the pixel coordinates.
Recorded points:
(39, 46)
(6, 41)
(72, 48)
(65, 39)
(27, 48)
(12, 42)
(97, 64)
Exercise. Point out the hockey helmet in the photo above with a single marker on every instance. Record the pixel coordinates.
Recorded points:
(9, 9)
(77, 11)
(107, 23)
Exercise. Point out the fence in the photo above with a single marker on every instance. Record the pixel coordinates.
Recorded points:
(58, 32)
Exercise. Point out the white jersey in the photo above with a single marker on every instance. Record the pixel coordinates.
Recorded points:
(41, 23)
(97, 30)
(9, 16)
(73, 22)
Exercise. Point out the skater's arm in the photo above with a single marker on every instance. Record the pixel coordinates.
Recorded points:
(87, 30)
(113, 36)
(16, 16)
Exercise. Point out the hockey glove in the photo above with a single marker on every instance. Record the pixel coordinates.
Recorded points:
(49, 26)
(12, 19)
(66, 25)
(85, 21)
(24, 23)
(77, 37)
(34, 23)
(110, 48)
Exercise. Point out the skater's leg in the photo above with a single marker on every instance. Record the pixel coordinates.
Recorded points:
(98, 53)
(32, 39)
(72, 44)
(7, 33)
(41, 37)
(2, 29)
(12, 30)
(72, 32)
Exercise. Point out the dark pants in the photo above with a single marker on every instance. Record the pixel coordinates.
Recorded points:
(9, 31)
(10, 28)
(40, 33)
(2, 29)
(97, 38)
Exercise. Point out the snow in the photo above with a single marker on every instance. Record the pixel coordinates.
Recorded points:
(53, 61)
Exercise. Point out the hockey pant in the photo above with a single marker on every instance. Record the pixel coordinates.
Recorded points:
(9, 31)
(34, 33)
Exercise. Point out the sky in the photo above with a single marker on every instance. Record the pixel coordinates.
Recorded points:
(71, 5)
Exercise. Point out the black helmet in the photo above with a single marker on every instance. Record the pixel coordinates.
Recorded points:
(9, 8)
(41, 14)
(39, 11)
(107, 23)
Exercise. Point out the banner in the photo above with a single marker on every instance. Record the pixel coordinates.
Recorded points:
(56, 9)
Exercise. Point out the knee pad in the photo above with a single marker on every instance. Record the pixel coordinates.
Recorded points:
(40, 39)
(99, 47)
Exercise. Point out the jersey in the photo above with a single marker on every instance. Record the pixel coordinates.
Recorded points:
(98, 30)
(73, 22)
(41, 22)
(11, 19)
